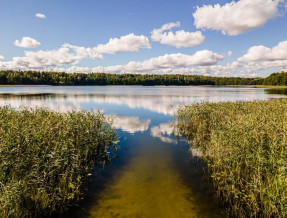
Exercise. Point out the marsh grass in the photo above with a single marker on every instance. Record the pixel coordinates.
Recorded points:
(47, 158)
(244, 146)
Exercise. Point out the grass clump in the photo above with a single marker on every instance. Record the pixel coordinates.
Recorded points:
(47, 158)
(244, 145)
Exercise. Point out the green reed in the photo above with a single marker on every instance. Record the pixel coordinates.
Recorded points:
(47, 158)
(245, 147)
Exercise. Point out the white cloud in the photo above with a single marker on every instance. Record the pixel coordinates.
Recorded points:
(262, 53)
(74, 69)
(83, 52)
(130, 124)
(27, 42)
(200, 58)
(229, 53)
(50, 58)
(202, 62)
(159, 64)
(233, 69)
(246, 74)
(236, 17)
(126, 43)
(71, 54)
(169, 63)
(261, 57)
(41, 16)
(263, 65)
(219, 69)
(43, 59)
(1, 57)
(164, 132)
(179, 38)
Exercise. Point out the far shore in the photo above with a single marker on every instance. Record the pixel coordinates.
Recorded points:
(259, 86)
(251, 86)
(21, 85)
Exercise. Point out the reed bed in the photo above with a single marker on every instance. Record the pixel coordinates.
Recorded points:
(47, 158)
(244, 146)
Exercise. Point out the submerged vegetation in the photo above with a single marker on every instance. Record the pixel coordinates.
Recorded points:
(245, 147)
(47, 158)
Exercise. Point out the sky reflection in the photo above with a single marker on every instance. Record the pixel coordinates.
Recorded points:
(134, 109)
(154, 171)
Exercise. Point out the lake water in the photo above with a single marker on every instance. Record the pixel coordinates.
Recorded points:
(155, 175)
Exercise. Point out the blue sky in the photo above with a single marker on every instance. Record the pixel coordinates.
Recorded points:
(208, 37)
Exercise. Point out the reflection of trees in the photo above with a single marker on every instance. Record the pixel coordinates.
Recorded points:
(276, 91)
(163, 100)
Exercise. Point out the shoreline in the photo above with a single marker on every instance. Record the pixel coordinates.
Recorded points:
(22, 85)
(239, 86)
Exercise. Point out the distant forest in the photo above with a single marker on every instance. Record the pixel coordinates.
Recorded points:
(60, 78)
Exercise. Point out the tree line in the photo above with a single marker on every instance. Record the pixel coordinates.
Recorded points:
(60, 78)
(276, 79)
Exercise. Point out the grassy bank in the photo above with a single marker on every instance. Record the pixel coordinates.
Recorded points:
(48, 157)
(271, 87)
(244, 145)
(259, 86)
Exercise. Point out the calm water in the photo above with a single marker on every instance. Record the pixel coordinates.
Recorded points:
(155, 175)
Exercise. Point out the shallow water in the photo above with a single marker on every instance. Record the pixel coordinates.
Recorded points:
(155, 175)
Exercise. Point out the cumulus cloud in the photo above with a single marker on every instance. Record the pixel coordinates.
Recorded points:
(126, 43)
(200, 58)
(43, 59)
(159, 64)
(179, 38)
(169, 63)
(262, 53)
(1, 57)
(130, 124)
(202, 62)
(27, 42)
(263, 65)
(262, 57)
(83, 52)
(49, 58)
(236, 17)
(229, 53)
(41, 16)
(71, 54)
(221, 70)
(234, 69)
(164, 132)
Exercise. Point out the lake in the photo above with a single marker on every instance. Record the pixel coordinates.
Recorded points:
(155, 175)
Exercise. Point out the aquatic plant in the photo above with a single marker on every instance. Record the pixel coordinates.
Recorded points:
(245, 147)
(47, 158)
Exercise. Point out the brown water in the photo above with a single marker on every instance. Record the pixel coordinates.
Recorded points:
(155, 175)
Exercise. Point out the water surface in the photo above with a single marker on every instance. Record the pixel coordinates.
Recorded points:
(155, 175)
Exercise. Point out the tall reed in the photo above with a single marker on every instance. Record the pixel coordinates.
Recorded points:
(245, 147)
(47, 158)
